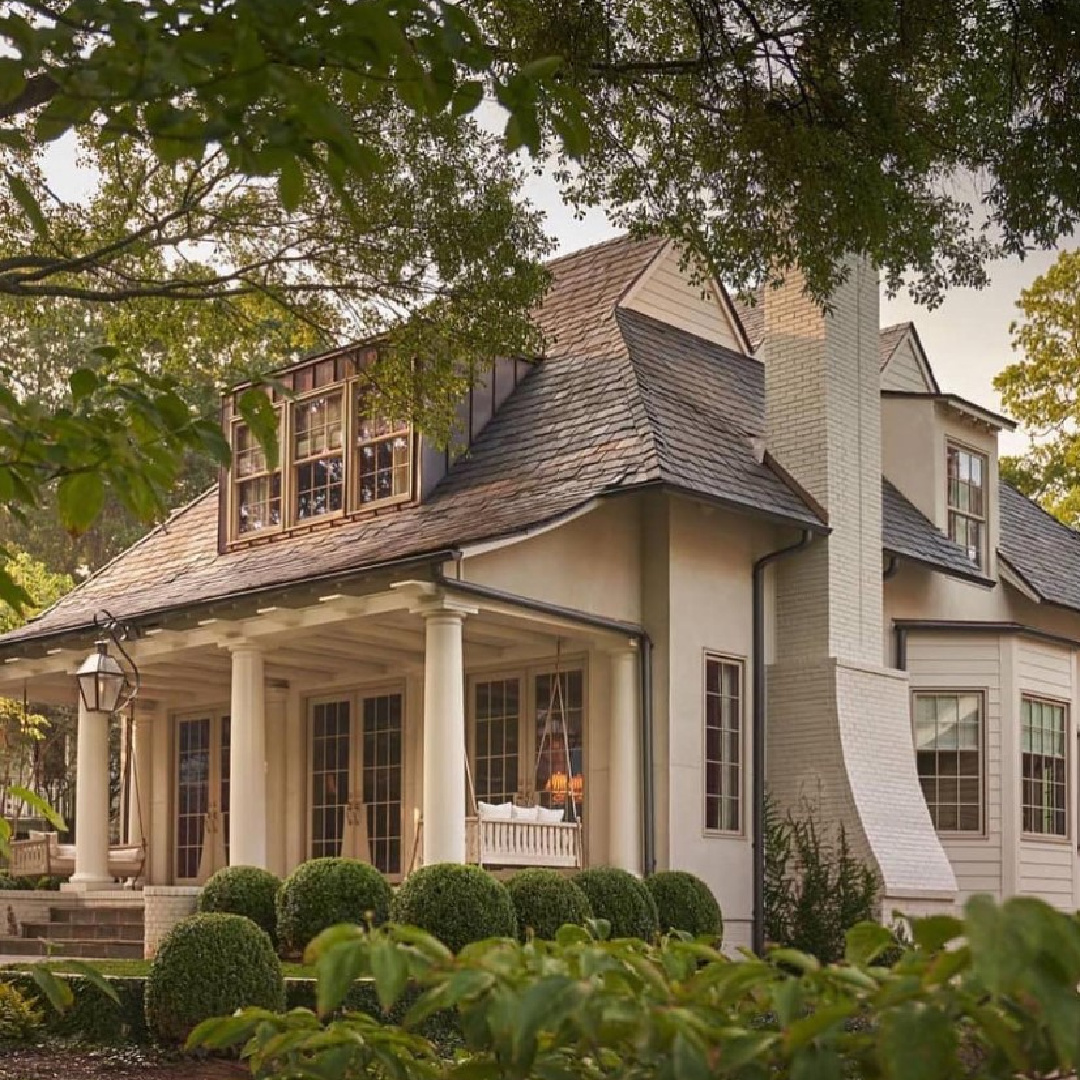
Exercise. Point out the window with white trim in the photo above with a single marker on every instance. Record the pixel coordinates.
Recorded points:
(257, 487)
(496, 737)
(723, 744)
(1043, 766)
(949, 759)
(967, 473)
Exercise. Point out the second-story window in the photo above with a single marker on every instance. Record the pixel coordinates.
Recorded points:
(383, 458)
(318, 467)
(258, 488)
(967, 478)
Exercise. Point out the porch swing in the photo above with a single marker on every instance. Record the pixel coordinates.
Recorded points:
(42, 855)
(523, 832)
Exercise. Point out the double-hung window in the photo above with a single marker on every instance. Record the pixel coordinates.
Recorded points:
(967, 474)
(1043, 766)
(257, 504)
(949, 759)
(318, 468)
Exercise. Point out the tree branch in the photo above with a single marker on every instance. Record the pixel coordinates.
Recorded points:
(38, 90)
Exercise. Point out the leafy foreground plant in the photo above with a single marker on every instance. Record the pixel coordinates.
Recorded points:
(993, 995)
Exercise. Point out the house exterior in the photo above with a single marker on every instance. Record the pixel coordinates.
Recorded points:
(689, 519)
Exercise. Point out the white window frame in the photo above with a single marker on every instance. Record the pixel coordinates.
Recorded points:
(1055, 703)
(739, 663)
(216, 715)
(956, 692)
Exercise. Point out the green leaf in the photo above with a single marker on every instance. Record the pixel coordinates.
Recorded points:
(804, 1031)
(291, 185)
(688, 1059)
(866, 941)
(541, 70)
(27, 200)
(936, 931)
(467, 98)
(56, 990)
(390, 970)
(800, 961)
(92, 976)
(12, 79)
(917, 1042)
(39, 805)
(817, 1063)
(338, 968)
(80, 498)
(83, 383)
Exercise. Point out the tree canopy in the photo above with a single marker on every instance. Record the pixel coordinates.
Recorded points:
(1042, 389)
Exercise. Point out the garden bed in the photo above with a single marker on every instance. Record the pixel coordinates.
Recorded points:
(57, 1061)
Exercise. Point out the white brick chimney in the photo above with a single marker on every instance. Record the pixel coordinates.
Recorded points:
(839, 728)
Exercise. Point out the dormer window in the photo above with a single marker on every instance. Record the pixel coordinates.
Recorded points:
(319, 478)
(967, 474)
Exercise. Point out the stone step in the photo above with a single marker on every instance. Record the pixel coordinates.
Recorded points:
(85, 931)
(72, 950)
(98, 915)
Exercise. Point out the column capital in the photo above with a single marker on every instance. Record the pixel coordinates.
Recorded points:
(240, 646)
(444, 606)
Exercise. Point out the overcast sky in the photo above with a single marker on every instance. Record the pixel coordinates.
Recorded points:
(966, 339)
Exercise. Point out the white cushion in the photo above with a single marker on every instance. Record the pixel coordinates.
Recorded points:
(552, 816)
(526, 813)
(495, 811)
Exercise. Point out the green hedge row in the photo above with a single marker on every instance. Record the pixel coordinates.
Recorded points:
(94, 1019)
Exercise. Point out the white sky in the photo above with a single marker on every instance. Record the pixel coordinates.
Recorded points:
(966, 338)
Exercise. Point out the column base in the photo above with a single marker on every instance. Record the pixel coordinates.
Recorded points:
(91, 885)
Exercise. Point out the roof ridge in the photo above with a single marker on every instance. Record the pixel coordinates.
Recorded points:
(161, 526)
(645, 419)
(611, 241)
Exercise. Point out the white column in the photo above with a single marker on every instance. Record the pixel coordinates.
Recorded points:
(139, 797)
(276, 753)
(444, 738)
(91, 802)
(625, 777)
(247, 759)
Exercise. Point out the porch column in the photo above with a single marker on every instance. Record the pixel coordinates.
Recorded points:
(625, 777)
(91, 802)
(247, 759)
(444, 735)
(138, 807)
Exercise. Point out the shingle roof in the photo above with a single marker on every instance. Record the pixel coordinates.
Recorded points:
(908, 533)
(663, 407)
(577, 316)
(1038, 547)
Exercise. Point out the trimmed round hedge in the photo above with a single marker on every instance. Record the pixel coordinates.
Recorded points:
(685, 902)
(544, 900)
(457, 904)
(210, 965)
(324, 892)
(244, 890)
(621, 899)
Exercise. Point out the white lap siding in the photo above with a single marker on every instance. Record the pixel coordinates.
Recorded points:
(1046, 865)
(939, 663)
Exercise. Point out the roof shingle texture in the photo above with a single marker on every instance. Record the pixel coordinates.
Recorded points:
(650, 404)
(1042, 550)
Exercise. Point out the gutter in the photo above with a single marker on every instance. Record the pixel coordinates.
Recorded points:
(757, 661)
(595, 622)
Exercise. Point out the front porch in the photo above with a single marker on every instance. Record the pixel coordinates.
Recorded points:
(368, 723)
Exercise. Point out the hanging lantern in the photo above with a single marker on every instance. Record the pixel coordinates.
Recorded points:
(104, 684)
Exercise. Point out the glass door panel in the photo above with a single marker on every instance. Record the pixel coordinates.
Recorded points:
(381, 770)
(192, 793)
(330, 744)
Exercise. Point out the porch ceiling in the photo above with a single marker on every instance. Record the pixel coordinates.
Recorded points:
(341, 640)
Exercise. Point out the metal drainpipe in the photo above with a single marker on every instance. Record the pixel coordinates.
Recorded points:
(757, 661)
(585, 618)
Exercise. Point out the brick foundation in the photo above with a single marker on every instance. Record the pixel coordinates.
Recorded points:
(166, 905)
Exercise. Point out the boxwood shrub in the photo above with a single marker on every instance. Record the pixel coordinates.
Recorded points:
(621, 899)
(685, 902)
(92, 1017)
(324, 892)
(210, 965)
(457, 904)
(544, 900)
(244, 890)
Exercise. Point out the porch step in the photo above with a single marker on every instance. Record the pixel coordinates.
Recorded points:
(97, 915)
(72, 950)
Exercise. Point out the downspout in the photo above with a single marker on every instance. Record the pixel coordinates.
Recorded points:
(757, 662)
(598, 622)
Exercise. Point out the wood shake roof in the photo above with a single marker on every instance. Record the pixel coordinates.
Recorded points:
(620, 402)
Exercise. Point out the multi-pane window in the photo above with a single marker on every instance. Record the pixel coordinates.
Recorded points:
(329, 776)
(381, 766)
(723, 744)
(338, 456)
(949, 759)
(560, 714)
(318, 468)
(383, 458)
(356, 779)
(1043, 767)
(967, 477)
(496, 718)
(202, 790)
(258, 487)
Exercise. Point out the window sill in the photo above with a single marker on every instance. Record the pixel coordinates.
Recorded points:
(307, 525)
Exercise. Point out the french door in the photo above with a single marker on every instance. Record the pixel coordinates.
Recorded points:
(202, 788)
(357, 769)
